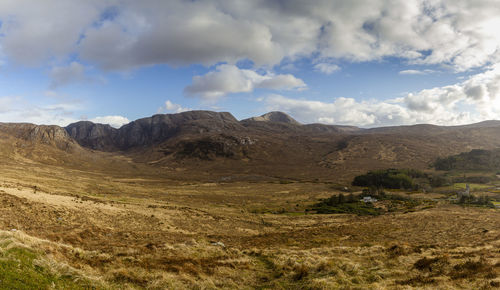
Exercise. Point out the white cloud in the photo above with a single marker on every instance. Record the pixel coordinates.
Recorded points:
(170, 107)
(231, 79)
(326, 68)
(341, 111)
(17, 109)
(178, 33)
(463, 34)
(123, 35)
(113, 121)
(416, 72)
(481, 92)
(35, 31)
(473, 100)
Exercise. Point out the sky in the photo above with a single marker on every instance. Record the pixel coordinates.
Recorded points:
(367, 63)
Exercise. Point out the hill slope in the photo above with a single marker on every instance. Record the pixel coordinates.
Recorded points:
(212, 145)
(477, 159)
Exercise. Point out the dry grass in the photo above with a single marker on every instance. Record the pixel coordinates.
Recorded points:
(120, 230)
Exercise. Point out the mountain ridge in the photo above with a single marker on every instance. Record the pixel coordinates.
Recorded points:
(207, 143)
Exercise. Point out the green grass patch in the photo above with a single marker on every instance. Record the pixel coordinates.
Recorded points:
(20, 269)
(473, 186)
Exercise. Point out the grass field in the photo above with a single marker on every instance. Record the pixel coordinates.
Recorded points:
(111, 229)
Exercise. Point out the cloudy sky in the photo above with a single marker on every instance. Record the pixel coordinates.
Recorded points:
(358, 62)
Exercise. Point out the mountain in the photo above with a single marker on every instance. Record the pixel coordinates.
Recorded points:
(274, 117)
(150, 131)
(212, 145)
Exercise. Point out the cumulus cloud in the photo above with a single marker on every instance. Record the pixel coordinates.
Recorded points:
(113, 121)
(178, 33)
(231, 79)
(122, 35)
(473, 100)
(33, 32)
(481, 91)
(462, 34)
(170, 107)
(346, 111)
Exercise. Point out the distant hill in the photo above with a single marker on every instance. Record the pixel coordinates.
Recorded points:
(274, 117)
(211, 145)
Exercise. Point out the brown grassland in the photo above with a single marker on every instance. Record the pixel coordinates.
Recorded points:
(102, 225)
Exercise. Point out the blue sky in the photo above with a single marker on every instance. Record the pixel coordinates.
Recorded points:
(364, 63)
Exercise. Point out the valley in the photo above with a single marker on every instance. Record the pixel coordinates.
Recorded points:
(226, 213)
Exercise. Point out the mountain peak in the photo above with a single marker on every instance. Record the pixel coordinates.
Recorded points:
(275, 116)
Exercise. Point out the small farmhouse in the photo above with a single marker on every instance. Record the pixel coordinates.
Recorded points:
(367, 199)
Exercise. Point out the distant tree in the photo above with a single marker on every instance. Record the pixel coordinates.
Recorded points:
(331, 201)
(341, 199)
(390, 178)
(439, 181)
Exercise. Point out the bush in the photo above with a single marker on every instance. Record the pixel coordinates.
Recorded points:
(439, 181)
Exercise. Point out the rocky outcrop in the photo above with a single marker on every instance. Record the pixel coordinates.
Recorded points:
(95, 136)
(40, 134)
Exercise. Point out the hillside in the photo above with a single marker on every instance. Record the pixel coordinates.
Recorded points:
(483, 160)
(211, 145)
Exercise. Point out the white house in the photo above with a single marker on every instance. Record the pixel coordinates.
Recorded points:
(368, 199)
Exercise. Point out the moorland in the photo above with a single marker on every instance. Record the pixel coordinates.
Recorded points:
(200, 200)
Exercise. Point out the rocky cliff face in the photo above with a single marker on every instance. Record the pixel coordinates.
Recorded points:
(152, 130)
(96, 136)
(40, 134)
